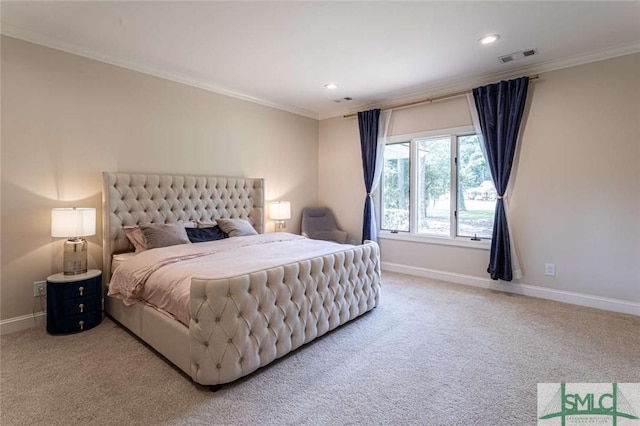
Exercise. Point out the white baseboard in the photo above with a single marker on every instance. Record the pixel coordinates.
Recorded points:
(12, 325)
(24, 322)
(614, 305)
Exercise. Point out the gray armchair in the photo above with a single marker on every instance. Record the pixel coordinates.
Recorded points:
(319, 224)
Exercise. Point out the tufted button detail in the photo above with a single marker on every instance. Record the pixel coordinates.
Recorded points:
(217, 319)
(306, 298)
(218, 366)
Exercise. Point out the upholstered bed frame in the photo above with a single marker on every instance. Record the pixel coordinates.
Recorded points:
(242, 323)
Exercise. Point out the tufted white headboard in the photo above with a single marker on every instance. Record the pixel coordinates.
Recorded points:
(133, 199)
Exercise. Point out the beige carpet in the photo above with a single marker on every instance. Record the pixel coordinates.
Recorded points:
(432, 353)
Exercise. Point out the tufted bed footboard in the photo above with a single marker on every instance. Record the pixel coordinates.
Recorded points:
(242, 323)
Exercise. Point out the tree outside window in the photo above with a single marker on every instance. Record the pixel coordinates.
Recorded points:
(440, 186)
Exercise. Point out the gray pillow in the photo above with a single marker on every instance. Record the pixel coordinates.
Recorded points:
(164, 234)
(236, 227)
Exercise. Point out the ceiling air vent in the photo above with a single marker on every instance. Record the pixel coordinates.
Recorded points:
(518, 55)
(348, 98)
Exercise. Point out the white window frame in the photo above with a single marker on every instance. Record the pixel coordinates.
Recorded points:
(412, 235)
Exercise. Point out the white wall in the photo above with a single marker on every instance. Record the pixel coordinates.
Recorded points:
(340, 173)
(66, 119)
(576, 201)
(576, 198)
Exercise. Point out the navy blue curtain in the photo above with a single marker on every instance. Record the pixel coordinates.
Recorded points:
(368, 124)
(500, 107)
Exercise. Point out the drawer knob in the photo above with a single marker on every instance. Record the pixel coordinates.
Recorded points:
(81, 325)
(81, 290)
(81, 306)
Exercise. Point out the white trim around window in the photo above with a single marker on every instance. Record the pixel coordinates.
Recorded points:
(483, 244)
(451, 240)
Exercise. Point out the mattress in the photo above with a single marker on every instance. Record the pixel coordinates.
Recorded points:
(162, 277)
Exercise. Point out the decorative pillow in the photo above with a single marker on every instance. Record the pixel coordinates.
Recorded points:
(164, 234)
(136, 237)
(201, 235)
(206, 224)
(236, 227)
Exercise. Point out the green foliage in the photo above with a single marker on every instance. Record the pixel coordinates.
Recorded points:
(396, 220)
(395, 188)
(434, 167)
(434, 182)
(472, 167)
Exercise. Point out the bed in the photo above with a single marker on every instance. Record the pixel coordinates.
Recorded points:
(238, 318)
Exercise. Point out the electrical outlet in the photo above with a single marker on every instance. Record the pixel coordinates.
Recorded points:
(39, 288)
(550, 269)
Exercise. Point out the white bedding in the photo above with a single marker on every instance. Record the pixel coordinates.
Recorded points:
(162, 276)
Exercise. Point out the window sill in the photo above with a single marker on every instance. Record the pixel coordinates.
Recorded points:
(484, 244)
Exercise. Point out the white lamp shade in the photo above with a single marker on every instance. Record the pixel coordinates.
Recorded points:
(73, 222)
(280, 210)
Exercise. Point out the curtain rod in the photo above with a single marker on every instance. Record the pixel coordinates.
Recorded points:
(436, 98)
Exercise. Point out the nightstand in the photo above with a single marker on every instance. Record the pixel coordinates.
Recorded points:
(74, 302)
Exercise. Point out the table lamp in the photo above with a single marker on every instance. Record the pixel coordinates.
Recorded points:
(74, 223)
(280, 211)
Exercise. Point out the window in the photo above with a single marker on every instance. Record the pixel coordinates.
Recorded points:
(395, 183)
(437, 184)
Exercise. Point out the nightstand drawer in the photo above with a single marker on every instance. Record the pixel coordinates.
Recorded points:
(76, 323)
(81, 305)
(81, 288)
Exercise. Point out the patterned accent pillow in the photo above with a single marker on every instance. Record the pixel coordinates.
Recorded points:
(136, 237)
(236, 227)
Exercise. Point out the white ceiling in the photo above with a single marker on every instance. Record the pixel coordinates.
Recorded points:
(282, 53)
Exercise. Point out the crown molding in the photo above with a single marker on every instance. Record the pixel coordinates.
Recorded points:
(33, 37)
(443, 87)
(461, 84)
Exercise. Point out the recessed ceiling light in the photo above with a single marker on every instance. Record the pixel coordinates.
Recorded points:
(488, 39)
(331, 86)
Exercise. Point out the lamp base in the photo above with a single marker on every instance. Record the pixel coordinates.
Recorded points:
(74, 260)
